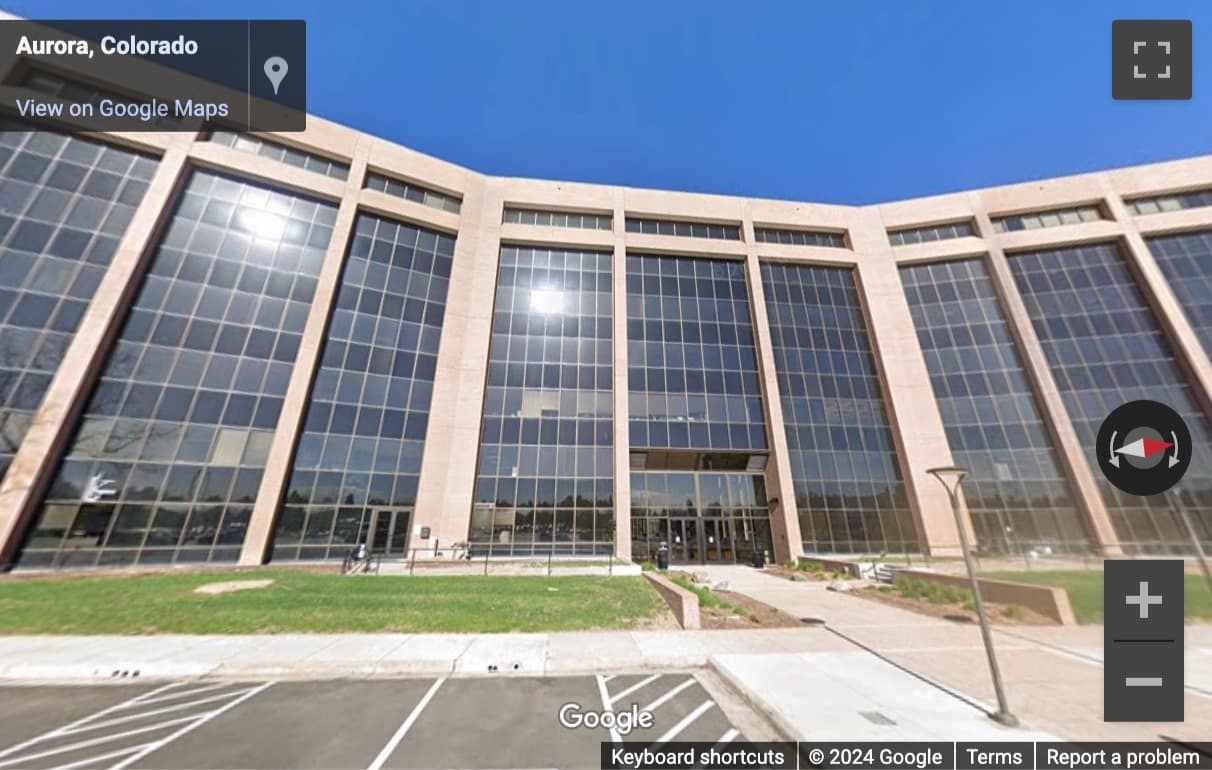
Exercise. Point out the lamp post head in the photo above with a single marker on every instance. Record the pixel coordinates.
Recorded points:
(950, 477)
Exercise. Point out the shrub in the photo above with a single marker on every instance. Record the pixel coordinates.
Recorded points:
(934, 593)
(647, 566)
(1014, 612)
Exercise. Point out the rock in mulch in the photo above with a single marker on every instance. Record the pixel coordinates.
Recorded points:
(230, 586)
(839, 585)
(799, 578)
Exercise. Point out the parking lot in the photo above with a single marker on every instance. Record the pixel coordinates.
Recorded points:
(507, 722)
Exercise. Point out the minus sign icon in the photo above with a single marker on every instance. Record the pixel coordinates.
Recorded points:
(1142, 681)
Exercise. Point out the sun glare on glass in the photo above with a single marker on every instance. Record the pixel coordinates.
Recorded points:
(547, 301)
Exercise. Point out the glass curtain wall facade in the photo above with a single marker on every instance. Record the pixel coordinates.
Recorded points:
(1186, 261)
(695, 410)
(1017, 494)
(847, 479)
(1105, 348)
(166, 461)
(546, 463)
(64, 204)
(364, 433)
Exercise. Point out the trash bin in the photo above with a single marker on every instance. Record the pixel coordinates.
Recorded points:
(759, 559)
(663, 557)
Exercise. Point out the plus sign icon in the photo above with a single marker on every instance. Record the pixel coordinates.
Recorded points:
(1143, 599)
(1151, 59)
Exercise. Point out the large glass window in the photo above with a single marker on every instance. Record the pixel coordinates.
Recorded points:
(167, 458)
(1105, 348)
(700, 517)
(1186, 260)
(692, 362)
(696, 407)
(364, 432)
(1017, 495)
(848, 488)
(64, 204)
(546, 460)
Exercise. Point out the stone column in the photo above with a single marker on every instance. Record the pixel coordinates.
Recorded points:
(784, 516)
(452, 443)
(259, 539)
(622, 404)
(917, 428)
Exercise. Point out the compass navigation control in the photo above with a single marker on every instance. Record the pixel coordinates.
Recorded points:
(1144, 447)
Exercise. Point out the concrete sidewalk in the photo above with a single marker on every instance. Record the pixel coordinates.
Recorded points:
(1053, 674)
(295, 656)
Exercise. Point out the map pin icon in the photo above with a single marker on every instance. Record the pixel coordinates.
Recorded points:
(275, 70)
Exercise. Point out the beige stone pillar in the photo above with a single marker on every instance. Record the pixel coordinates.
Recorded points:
(53, 424)
(259, 538)
(622, 388)
(452, 443)
(1069, 450)
(917, 428)
(784, 515)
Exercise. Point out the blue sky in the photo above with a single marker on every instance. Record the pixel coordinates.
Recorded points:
(848, 101)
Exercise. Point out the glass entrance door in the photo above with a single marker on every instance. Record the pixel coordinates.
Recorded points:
(389, 531)
(717, 540)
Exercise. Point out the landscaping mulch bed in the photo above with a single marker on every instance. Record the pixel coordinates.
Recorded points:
(786, 573)
(758, 614)
(998, 613)
(753, 613)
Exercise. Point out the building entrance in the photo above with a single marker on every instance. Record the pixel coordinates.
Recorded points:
(703, 517)
(387, 531)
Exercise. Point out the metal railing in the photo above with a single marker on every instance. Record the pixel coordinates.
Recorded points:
(368, 564)
(482, 558)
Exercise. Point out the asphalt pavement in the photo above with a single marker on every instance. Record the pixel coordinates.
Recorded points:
(437, 723)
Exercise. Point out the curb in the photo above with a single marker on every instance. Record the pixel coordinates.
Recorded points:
(396, 669)
(93, 674)
(772, 715)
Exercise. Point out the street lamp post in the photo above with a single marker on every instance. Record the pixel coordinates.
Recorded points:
(951, 478)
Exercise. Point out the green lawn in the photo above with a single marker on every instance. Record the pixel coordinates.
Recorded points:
(1086, 591)
(302, 601)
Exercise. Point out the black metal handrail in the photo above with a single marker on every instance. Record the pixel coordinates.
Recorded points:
(477, 553)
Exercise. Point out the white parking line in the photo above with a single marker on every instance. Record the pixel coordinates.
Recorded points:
(94, 761)
(185, 693)
(190, 728)
(155, 712)
(606, 708)
(686, 722)
(95, 741)
(109, 710)
(661, 701)
(729, 736)
(381, 759)
(635, 687)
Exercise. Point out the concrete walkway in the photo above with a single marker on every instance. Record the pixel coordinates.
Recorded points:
(1053, 674)
(92, 658)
